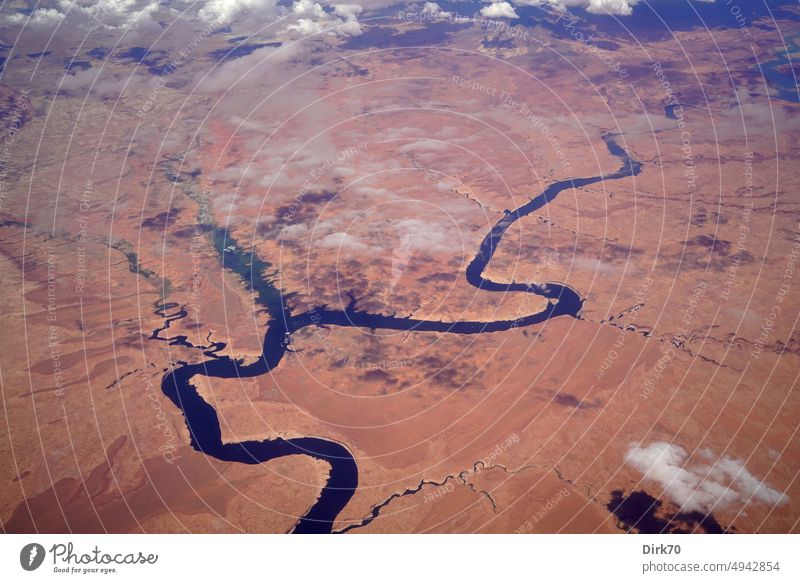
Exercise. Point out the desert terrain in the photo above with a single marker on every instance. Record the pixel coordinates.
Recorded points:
(162, 207)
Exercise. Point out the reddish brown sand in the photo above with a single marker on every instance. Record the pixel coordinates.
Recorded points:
(422, 169)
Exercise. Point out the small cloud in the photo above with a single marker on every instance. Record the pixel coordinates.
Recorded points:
(308, 9)
(430, 145)
(616, 7)
(102, 84)
(245, 70)
(426, 237)
(306, 26)
(499, 10)
(41, 17)
(435, 10)
(610, 7)
(704, 486)
(222, 12)
(342, 241)
(583, 263)
(347, 10)
(369, 191)
(312, 18)
(111, 14)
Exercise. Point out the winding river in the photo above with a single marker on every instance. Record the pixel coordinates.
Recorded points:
(202, 420)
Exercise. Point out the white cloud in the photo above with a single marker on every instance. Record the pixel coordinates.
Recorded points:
(349, 15)
(342, 241)
(101, 84)
(347, 10)
(619, 7)
(245, 71)
(615, 7)
(499, 10)
(108, 13)
(349, 28)
(380, 193)
(41, 17)
(430, 145)
(585, 263)
(221, 12)
(704, 485)
(435, 10)
(306, 26)
(312, 18)
(112, 13)
(424, 236)
(308, 8)
(293, 232)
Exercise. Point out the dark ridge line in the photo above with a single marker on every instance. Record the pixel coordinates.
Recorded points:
(460, 476)
(376, 508)
(161, 310)
(677, 343)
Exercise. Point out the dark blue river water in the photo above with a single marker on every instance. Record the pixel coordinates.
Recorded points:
(201, 418)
